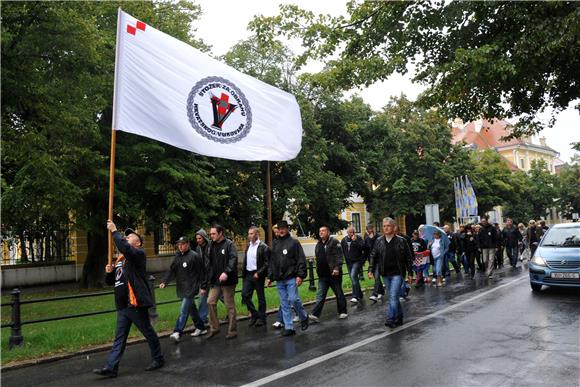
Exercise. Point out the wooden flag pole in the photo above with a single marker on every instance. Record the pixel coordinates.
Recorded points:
(113, 140)
(111, 192)
(269, 203)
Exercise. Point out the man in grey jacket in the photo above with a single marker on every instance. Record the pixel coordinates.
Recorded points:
(188, 270)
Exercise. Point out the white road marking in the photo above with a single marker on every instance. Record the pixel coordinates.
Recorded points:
(348, 348)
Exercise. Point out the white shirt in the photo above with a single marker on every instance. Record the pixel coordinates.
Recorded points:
(436, 248)
(252, 262)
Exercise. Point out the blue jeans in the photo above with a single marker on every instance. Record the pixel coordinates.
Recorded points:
(203, 307)
(426, 270)
(125, 318)
(394, 310)
(438, 265)
(405, 287)
(465, 262)
(512, 253)
(188, 308)
(288, 293)
(353, 271)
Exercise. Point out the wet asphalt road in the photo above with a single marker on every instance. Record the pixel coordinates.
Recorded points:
(470, 333)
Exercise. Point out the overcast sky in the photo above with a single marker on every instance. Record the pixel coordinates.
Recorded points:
(224, 23)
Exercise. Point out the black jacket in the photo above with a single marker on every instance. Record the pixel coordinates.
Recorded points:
(135, 266)
(487, 237)
(356, 251)
(369, 244)
(511, 236)
(262, 259)
(333, 252)
(453, 242)
(468, 242)
(223, 258)
(287, 259)
(402, 252)
(188, 270)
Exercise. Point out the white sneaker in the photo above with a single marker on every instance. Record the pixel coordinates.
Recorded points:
(296, 319)
(444, 279)
(174, 336)
(313, 318)
(342, 316)
(433, 280)
(373, 298)
(380, 296)
(354, 300)
(198, 332)
(277, 324)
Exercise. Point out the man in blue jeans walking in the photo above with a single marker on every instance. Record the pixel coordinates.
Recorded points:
(353, 247)
(288, 268)
(188, 270)
(392, 256)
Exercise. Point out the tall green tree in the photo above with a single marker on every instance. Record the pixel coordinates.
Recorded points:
(57, 86)
(568, 183)
(494, 58)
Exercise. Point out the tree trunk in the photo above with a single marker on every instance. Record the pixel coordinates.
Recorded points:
(94, 267)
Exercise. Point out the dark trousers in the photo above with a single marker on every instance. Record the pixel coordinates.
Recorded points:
(470, 255)
(334, 283)
(480, 264)
(499, 257)
(251, 284)
(125, 318)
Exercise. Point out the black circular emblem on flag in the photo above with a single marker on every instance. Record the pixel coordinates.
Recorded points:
(219, 111)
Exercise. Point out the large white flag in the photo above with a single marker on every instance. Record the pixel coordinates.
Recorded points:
(169, 91)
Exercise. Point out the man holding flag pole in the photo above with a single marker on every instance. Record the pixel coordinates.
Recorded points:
(166, 90)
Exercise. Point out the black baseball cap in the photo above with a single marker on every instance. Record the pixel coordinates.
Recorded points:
(129, 231)
(182, 240)
(282, 224)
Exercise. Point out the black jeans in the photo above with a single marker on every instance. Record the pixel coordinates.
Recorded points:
(125, 318)
(334, 283)
(251, 284)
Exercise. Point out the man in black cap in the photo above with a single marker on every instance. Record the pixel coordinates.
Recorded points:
(288, 268)
(133, 299)
(188, 270)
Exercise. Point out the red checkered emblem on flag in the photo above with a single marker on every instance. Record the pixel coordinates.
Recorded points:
(421, 258)
(133, 29)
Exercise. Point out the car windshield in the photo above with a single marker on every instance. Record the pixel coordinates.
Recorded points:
(562, 237)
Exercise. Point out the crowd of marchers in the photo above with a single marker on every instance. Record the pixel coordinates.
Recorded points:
(206, 272)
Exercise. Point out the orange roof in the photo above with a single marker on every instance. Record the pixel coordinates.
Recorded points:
(489, 136)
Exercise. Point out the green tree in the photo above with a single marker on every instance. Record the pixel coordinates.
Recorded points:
(410, 160)
(568, 183)
(494, 58)
(57, 83)
(544, 192)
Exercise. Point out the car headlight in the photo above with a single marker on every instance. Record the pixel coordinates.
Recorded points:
(537, 260)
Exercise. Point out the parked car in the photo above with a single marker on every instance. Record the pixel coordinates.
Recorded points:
(556, 261)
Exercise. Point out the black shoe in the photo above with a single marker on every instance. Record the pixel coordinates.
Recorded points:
(105, 372)
(304, 324)
(288, 332)
(253, 321)
(390, 324)
(155, 364)
(260, 323)
(399, 322)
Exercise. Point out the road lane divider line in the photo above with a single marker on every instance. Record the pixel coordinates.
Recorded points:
(369, 340)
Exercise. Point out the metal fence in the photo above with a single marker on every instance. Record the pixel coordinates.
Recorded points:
(16, 323)
(54, 247)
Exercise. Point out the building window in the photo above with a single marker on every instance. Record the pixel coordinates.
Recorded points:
(522, 163)
(355, 222)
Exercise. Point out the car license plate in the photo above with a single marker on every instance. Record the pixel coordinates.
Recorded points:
(566, 275)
